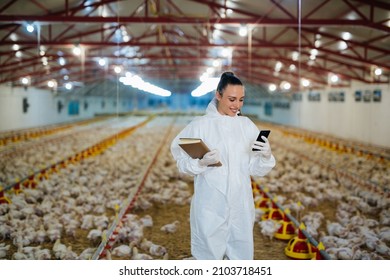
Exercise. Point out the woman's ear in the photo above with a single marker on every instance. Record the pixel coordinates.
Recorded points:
(218, 95)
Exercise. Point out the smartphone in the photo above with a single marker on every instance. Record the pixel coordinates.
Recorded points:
(262, 133)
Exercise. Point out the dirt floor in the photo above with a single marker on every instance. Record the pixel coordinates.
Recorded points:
(178, 243)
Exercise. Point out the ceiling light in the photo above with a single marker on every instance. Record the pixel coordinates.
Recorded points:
(51, 83)
(216, 33)
(292, 67)
(25, 81)
(285, 85)
(278, 66)
(42, 51)
(295, 55)
(226, 52)
(76, 50)
(305, 82)
(203, 77)
(272, 87)
(117, 69)
(210, 70)
(314, 52)
(317, 43)
(346, 35)
(343, 45)
(13, 37)
(208, 85)
(334, 78)
(102, 62)
(30, 28)
(216, 63)
(378, 71)
(137, 82)
(15, 47)
(18, 54)
(206, 75)
(62, 61)
(68, 86)
(44, 60)
(243, 31)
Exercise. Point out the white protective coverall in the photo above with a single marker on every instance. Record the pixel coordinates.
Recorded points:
(222, 208)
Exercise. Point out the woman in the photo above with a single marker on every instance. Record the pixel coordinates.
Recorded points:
(222, 207)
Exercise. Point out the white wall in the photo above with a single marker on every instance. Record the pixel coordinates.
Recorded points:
(43, 105)
(361, 121)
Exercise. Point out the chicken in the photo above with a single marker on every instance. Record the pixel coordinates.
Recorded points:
(140, 256)
(122, 251)
(43, 254)
(269, 227)
(3, 250)
(147, 221)
(95, 235)
(153, 249)
(170, 228)
(60, 250)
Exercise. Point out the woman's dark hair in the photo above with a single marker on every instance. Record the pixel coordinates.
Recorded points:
(227, 78)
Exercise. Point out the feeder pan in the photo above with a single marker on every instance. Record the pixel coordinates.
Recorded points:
(42, 175)
(53, 168)
(299, 247)
(287, 230)
(273, 214)
(27, 183)
(262, 203)
(3, 198)
(317, 254)
(17, 188)
(256, 192)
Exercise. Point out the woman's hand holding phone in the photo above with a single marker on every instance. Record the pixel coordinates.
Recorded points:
(262, 146)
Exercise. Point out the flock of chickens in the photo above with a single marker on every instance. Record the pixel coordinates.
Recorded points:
(69, 213)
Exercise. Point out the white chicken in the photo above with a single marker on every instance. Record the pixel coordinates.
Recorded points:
(59, 250)
(95, 235)
(43, 254)
(147, 221)
(3, 250)
(122, 251)
(153, 249)
(269, 227)
(170, 228)
(140, 256)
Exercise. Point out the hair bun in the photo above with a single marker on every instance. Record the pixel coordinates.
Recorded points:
(227, 74)
(227, 78)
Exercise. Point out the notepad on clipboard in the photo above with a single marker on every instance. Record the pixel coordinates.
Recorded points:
(195, 148)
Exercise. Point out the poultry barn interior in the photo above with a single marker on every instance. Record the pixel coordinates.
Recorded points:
(86, 171)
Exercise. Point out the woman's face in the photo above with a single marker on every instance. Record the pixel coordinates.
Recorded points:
(231, 100)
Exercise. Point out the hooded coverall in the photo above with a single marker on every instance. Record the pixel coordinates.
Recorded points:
(222, 210)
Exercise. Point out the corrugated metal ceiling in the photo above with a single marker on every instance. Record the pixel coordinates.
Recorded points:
(172, 42)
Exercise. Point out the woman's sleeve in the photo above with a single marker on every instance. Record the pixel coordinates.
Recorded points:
(260, 166)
